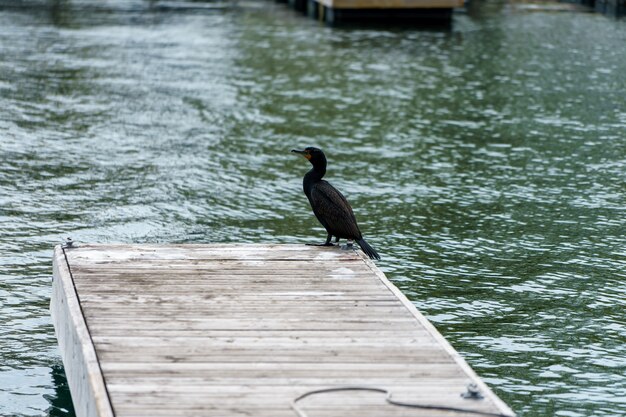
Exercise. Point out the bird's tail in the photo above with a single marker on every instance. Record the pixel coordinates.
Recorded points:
(369, 251)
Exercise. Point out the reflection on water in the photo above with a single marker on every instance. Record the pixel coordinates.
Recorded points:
(61, 401)
(486, 162)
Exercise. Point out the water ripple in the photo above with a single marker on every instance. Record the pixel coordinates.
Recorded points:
(486, 164)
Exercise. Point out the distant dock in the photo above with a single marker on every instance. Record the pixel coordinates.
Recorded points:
(244, 330)
(398, 11)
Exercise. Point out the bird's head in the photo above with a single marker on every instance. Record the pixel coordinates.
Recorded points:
(314, 155)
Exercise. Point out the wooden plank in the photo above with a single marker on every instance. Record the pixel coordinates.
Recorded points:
(203, 312)
(243, 296)
(120, 254)
(158, 290)
(175, 332)
(234, 311)
(205, 263)
(286, 303)
(229, 286)
(184, 250)
(215, 274)
(392, 4)
(241, 355)
(230, 330)
(238, 393)
(216, 341)
(207, 383)
(377, 410)
(179, 372)
(102, 324)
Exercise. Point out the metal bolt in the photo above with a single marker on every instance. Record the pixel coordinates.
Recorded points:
(473, 392)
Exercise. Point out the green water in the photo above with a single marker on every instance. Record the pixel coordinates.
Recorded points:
(486, 164)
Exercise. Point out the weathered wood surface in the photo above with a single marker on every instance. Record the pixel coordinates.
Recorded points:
(391, 4)
(242, 330)
(82, 368)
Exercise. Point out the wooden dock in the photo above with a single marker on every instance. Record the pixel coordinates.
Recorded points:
(243, 330)
(396, 11)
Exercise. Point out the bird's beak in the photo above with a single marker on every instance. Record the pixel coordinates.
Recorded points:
(303, 153)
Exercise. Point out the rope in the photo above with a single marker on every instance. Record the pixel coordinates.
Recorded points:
(389, 400)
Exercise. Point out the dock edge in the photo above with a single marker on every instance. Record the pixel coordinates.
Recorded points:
(82, 369)
(482, 386)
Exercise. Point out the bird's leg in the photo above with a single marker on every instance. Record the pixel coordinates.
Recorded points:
(327, 243)
(336, 239)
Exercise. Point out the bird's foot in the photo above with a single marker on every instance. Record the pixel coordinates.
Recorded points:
(320, 244)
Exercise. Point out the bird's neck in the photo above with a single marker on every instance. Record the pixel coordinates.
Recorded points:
(310, 178)
(316, 173)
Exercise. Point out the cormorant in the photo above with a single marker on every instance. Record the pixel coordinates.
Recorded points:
(330, 207)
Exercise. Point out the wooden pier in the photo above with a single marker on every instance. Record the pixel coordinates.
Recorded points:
(396, 11)
(615, 8)
(243, 330)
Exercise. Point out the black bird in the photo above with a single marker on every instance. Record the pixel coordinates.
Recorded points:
(330, 207)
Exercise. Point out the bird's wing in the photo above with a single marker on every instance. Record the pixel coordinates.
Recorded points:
(334, 211)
